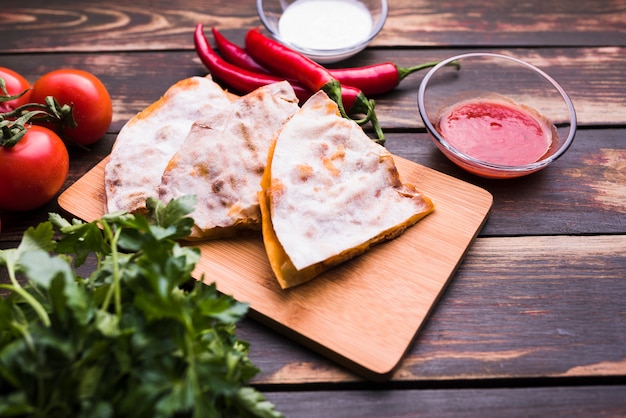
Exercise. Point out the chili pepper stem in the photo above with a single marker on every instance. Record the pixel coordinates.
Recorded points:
(361, 105)
(369, 110)
(364, 105)
(380, 136)
(403, 72)
(333, 89)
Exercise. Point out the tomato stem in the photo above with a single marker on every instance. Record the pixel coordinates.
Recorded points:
(5, 96)
(13, 124)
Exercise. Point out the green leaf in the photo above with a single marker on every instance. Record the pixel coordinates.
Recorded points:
(256, 403)
(171, 220)
(107, 324)
(15, 404)
(172, 213)
(42, 269)
(80, 239)
(90, 380)
(102, 409)
(39, 237)
(224, 309)
(132, 339)
(56, 276)
(33, 239)
(6, 316)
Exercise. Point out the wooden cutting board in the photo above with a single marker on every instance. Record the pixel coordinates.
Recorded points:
(363, 314)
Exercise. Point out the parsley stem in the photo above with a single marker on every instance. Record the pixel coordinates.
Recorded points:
(23, 330)
(192, 372)
(17, 288)
(114, 290)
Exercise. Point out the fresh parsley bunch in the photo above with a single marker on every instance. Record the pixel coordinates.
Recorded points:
(136, 338)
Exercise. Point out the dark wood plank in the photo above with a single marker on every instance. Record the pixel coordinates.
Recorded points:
(508, 22)
(137, 79)
(523, 307)
(533, 322)
(495, 323)
(583, 192)
(514, 310)
(535, 302)
(81, 160)
(584, 401)
(585, 73)
(158, 25)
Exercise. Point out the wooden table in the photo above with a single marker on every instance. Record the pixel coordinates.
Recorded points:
(533, 322)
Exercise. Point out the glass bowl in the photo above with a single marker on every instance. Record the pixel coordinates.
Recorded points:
(326, 31)
(461, 107)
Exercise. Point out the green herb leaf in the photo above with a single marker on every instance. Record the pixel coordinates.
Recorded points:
(133, 339)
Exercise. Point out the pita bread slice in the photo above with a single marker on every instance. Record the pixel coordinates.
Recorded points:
(223, 158)
(149, 139)
(329, 194)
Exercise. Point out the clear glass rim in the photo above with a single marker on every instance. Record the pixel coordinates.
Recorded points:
(484, 164)
(323, 53)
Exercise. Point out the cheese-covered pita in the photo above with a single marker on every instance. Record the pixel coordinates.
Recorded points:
(148, 141)
(330, 193)
(223, 158)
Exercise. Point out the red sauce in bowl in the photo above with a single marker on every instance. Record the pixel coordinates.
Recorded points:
(496, 131)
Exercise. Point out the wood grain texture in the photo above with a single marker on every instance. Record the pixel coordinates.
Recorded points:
(359, 303)
(558, 315)
(584, 192)
(137, 79)
(583, 402)
(533, 321)
(81, 160)
(514, 310)
(160, 25)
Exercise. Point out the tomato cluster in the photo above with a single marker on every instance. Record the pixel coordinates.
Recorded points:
(33, 170)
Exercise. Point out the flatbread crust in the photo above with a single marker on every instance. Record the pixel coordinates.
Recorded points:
(223, 159)
(147, 141)
(329, 193)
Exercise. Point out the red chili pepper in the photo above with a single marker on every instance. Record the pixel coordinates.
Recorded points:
(293, 65)
(378, 78)
(239, 57)
(241, 80)
(372, 79)
(289, 63)
(244, 81)
(236, 55)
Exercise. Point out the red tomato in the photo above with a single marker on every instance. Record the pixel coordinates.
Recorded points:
(91, 102)
(15, 84)
(33, 171)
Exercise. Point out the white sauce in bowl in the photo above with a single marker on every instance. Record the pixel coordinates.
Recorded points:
(325, 24)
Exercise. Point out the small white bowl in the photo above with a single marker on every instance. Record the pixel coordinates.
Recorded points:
(485, 78)
(271, 11)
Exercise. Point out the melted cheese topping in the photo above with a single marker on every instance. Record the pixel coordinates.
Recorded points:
(329, 193)
(149, 139)
(223, 158)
